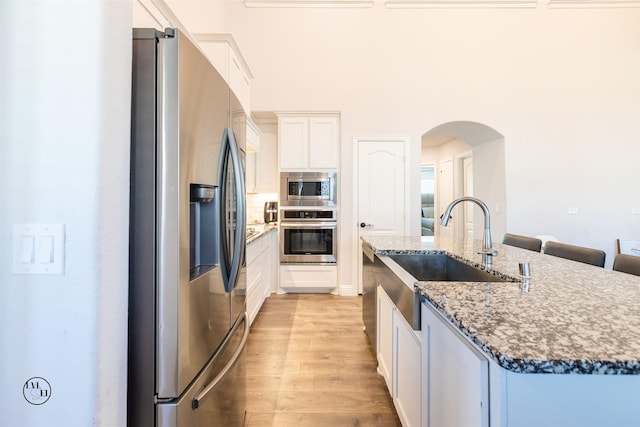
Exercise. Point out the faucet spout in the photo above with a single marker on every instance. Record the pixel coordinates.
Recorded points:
(487, 251)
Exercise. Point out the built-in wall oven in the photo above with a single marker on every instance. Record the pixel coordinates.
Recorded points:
(308, 235)
(307, 189)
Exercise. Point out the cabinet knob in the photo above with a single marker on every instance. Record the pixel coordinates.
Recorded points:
(364, 225)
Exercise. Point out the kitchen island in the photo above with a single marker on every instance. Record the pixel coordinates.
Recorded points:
(563, 350)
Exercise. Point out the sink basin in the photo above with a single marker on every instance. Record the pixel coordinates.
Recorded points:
(441, 268)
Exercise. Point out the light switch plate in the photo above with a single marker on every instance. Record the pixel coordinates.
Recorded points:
(38, 248)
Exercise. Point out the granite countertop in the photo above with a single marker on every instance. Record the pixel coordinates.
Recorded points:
(573, 319)
(255, 231)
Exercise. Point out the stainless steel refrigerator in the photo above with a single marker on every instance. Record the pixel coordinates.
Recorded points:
(187, 319)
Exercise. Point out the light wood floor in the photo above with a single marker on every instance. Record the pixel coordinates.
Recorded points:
(309, 365)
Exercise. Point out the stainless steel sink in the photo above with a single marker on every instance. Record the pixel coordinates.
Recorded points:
(441, 268)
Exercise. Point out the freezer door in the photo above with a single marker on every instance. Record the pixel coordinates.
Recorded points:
(218, 396)
(193, 310)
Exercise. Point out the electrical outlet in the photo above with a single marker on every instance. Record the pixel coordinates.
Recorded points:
(635, 210)
(573, 210)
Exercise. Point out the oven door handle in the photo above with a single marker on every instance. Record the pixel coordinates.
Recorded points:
(324, 224)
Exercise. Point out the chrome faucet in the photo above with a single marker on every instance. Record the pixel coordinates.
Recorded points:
(487, 250)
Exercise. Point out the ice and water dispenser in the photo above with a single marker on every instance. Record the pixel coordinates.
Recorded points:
(204, 229)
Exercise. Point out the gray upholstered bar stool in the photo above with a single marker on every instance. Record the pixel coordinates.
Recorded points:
(524, 242)
(576, 253)
(627, 264)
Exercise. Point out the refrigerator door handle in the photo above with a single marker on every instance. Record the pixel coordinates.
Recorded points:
(230, 153)
(241, 226)
(202, 395)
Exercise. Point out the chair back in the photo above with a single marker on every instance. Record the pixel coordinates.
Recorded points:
(576, 253)
(524, 242)
(627, 264)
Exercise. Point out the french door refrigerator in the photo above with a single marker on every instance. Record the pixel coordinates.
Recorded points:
(187, 318)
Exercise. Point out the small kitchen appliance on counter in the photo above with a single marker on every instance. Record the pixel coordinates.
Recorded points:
(270, 212)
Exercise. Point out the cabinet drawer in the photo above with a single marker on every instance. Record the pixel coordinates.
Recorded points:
(308, 277)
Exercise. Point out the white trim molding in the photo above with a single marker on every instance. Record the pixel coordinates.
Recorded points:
(160, 11)
(593, 4)
(461, 4)
(229, 40)
(310, 3)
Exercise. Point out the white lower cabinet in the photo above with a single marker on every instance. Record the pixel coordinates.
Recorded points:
(461, 387)
(399, 360)
(260, 271)
(308, 278)
(385, 337)
(407, 372)
(456, 380)
(274, 262)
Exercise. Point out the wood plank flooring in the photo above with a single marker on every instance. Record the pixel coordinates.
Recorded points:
(309, 365)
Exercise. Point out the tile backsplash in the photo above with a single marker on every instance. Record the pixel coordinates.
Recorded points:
(255, 206)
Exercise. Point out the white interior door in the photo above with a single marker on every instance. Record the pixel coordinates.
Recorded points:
(467, 173)
(381, 185)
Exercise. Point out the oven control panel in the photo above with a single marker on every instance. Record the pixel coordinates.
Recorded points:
(308, 214)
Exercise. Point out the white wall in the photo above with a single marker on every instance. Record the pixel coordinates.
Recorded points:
(201, 16)
(561, 85)
(489, 186)
(64, 159)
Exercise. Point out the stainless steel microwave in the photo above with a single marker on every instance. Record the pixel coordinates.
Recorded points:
(308, 189)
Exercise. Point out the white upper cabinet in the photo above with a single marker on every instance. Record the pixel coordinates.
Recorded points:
(266, 167)
(262, 156)
(253, 146)
(309, 141)
(224, 54)
(253, 136)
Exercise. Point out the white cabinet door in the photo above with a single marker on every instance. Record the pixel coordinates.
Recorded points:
(224, 54)
(385, 337)
(308, 278)
(252, 136)
(258, 274)
(293, 137)
(254, 278)
(407, 372)
(324, 147)
(309, 141)
(457, 377)
(274, 261)
(253, 146)
(267, 180)
(255, 298)
(265, 290)
(250, 173)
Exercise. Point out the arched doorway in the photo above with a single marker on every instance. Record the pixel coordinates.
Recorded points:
(468, 159)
